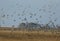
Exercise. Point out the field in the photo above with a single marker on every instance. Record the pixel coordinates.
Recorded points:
(20, 35)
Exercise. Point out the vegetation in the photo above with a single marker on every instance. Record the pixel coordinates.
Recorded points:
(28, 36)
(30, 32)
(37, 27)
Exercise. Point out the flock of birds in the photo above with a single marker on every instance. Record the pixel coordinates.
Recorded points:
(31, 15)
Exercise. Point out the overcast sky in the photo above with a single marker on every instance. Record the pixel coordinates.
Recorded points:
(13, 12)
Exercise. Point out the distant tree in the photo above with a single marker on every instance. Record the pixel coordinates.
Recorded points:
(58, 27)
(0, 25)
(29, 26)
(12, 29)
(22, 26)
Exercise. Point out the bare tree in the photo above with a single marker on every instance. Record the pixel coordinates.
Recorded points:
(12, 29)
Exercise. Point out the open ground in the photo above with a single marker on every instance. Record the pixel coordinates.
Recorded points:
(24, 35)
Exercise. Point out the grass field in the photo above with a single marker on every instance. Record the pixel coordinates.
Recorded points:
(8, 35)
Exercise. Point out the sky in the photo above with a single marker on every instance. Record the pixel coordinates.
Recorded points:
(14, 12)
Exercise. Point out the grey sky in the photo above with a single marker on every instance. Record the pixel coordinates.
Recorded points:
(17, 10)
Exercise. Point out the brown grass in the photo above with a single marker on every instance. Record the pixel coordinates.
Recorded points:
(7, 35)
